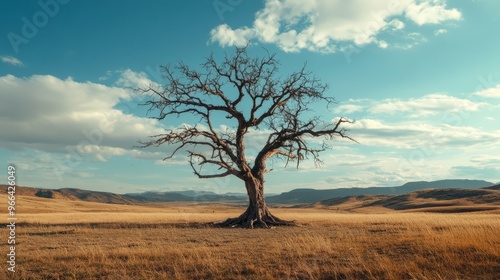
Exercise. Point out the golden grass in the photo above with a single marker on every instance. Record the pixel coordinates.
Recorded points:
(99, 241)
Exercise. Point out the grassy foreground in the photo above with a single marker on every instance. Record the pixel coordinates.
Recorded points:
(79, 240)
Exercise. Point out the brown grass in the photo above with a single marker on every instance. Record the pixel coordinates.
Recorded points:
(79, 240)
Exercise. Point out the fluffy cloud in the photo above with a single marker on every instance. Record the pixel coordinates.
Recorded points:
(431, 104)
(410, 135)
(132, 79)
(322, 25)
(229, 37)
(427, 105)
(349, 108)
(12, 61)
(129, 79)
(440, 32)
(489, 93)
(431, 12)
(49, 114)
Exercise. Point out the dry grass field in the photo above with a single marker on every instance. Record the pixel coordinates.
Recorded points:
(58, 239)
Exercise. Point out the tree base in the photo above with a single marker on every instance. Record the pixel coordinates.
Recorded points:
(252, 219)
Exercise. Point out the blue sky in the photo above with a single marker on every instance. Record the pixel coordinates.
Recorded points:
(420, 77)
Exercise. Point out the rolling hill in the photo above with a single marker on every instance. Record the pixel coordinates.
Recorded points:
(72, 194)
(299, 196)
(134, 198)
(443, 189)
(429, 200)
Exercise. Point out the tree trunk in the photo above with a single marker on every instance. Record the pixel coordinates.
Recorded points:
(257, 213)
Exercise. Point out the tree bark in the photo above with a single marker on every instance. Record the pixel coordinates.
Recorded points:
(257, 213)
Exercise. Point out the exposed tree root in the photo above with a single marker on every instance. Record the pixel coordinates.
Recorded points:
(251, 219)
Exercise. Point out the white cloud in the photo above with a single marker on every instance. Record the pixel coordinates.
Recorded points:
(431, 12)
(327, 26)
(106, 77)
(431, 104)
(73, 118)
(440, 31)
(132, 79)
(349, 108)
(383, 44)
(397, 24)
(12, 61)
(128, 79)
(408, 135)
(101, 153)
(228, 37)
(489, 93)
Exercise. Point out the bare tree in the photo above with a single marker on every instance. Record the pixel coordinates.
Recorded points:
(249, 92)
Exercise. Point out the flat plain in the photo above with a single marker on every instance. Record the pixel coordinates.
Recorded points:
(64, 239)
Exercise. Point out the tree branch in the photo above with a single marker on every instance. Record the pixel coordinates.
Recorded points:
(278, 103)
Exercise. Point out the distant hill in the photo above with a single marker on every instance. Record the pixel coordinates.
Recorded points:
(94, 196)
(429, 200)
(298, 196)
(199, 196)
(134, 198)
(72, 194)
